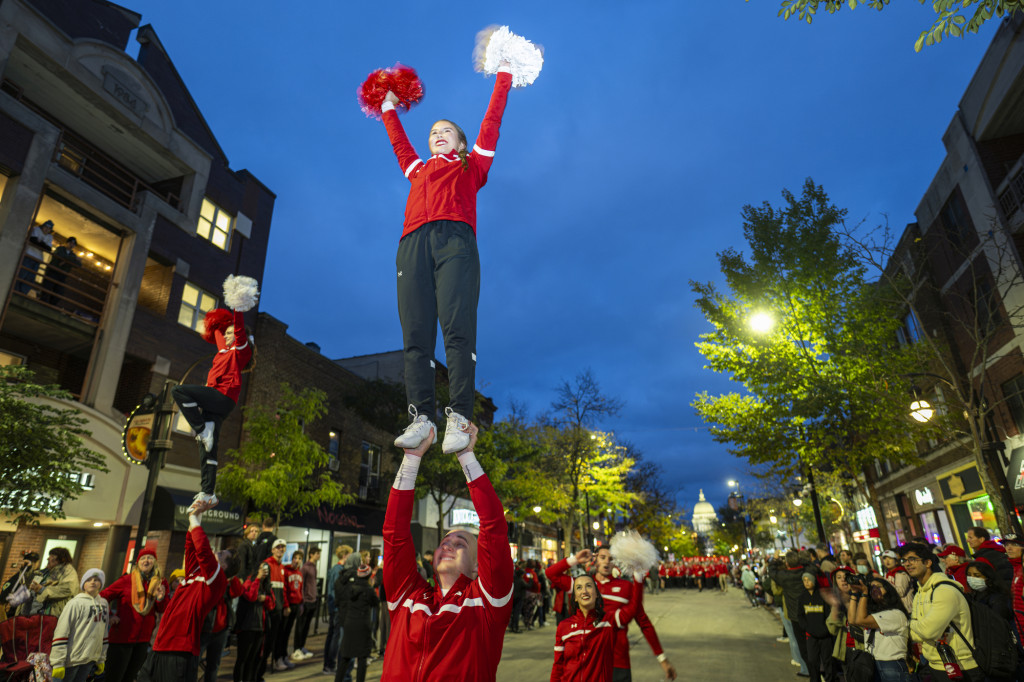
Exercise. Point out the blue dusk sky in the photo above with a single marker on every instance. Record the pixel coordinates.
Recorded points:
(620, 173)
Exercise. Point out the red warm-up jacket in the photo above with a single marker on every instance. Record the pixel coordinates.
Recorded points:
(441, 188)
(226, 371)
(195, 597)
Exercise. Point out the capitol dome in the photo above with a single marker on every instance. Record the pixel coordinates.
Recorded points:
(704, 516)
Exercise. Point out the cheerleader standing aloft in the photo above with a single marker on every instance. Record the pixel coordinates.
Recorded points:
(438, 266)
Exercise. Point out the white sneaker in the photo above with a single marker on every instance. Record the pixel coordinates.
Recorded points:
(203, 502)
(297, 655)
(306, 653)
(456, 438)
(416, 431)
(279, 666)
(794, 662)
(205, 437)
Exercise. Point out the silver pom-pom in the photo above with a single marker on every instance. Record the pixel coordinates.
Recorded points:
(632, 554)
(497, 44)
(241, 293)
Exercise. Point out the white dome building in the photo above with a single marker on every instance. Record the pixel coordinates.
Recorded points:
(704, 517)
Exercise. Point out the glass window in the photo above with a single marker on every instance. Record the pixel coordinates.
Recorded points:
(986, 306)
(955, 220)
(1013, 392)
(332, 445)
(910, 331)
(214, 225)
(369, 471)
(195, 303)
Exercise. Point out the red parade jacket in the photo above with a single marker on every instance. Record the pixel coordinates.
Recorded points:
(131, 627)
(616, 594)
(583, 646)
(441, 188)
(453, 636)
(195, 597)
(226, 371)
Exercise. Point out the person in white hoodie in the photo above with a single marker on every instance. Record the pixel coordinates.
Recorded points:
(80, 640)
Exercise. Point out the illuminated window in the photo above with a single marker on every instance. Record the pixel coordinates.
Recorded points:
(214, 225)
(195, 303)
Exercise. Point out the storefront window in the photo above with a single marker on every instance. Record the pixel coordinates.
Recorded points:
(931, 528)
(982, 514)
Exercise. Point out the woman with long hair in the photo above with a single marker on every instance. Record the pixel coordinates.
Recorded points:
(878, 608)
(135, 598)
(585, 641)
(988, 589)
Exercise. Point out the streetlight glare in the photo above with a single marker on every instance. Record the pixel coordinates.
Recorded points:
(798, 502)
(921, 410)
(596, 525)
(773, 519)
(733, 483)
(762, 322)
(536, 510)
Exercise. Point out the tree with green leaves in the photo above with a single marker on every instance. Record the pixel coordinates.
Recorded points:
(42, 453)
(279, 469)
(824, 385)
(953, 17)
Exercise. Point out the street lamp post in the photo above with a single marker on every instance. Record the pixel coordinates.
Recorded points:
(743, 514)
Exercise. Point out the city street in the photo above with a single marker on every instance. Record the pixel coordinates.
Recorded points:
(709, 637)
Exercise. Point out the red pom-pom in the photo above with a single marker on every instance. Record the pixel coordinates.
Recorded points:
(399, 79)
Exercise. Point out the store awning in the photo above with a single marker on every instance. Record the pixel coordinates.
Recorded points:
(170, 512)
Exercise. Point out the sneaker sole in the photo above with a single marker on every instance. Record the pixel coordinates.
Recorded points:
(452, 449)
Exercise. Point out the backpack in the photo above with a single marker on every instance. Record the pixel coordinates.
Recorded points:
(996, 650)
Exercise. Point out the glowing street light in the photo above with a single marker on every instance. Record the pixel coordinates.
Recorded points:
(773, 519)
(762, 322)
(798, 502)
(536, 510)
(921, 411)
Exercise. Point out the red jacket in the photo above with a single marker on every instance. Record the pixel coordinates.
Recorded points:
(453, 636)
(617, 593)
(220, 620)
(1016, 590)
(584, 648)
(195, 597)
(293, 585)
(959, 574)
(441, 188)
(226, 371)
(276, 580)
(131, 628)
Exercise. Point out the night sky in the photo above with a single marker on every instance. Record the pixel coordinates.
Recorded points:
(620, 173)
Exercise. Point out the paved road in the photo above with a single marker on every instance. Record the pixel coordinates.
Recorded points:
(709, 636)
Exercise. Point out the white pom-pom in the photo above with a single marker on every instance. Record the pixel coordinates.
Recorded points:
(241, 293)
(494, 45)
(633, 554)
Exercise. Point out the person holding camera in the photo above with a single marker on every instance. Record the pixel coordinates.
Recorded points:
(876, 606)
(254, 606)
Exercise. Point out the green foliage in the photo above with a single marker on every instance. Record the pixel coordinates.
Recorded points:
(279, 468)
(951, 15)
(381, 404)
(825, 382)
(41, 448)
(526, 483)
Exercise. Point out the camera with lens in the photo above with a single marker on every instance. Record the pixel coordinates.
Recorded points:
(853, 579)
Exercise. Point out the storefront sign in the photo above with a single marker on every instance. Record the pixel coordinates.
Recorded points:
(961, 483)
(865, 535)
(866, 518)
(348, 517)
(1015, 475)
(135, 435)
(923, 496)
(465, 517)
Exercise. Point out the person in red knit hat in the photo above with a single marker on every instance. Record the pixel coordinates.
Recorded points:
(438, 265)
(206, 407)
(585, 641)
(454, 629)
(135, 598)
(955, 560)
(175, 654)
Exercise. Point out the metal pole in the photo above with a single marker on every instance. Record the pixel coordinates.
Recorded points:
(817, 507)
(159, 443)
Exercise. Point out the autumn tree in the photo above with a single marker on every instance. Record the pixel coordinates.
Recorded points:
(279, 469)
(42, 453)
(953, 17)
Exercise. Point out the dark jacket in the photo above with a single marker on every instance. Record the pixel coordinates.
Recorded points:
(813, 611)
(994, 553)
(345, 576)
(264, 543)
(791, 582)
(247, 559)
(997, 601)
(357, 598)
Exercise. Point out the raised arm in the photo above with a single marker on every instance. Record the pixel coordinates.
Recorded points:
(487, 140)
(201, 555)
(558, 572)
(407, 157)
(494, 558)
(400, 574)
(622, 616)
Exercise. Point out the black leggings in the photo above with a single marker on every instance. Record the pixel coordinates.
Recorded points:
(201, 404)
(124, 661)
(343, 665)
(250, 643)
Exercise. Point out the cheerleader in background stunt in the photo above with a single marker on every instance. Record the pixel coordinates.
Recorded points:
(206, 407)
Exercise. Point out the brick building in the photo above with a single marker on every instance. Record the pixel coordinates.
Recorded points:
(115, 152)
(962, 256)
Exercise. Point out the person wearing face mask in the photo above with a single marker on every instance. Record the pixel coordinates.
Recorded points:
(987, 589)
(955, 561)
(862, 565)
(878, 609)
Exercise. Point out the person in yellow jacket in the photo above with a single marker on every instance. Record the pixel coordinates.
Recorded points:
(938, 603)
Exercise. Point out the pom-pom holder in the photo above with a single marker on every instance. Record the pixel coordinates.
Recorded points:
(399, 79)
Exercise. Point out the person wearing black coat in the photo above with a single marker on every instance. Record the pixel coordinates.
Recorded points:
(788, 578)
(265, 542)
(357, 641)
(812, 615)
(247, 552)
(984, 547)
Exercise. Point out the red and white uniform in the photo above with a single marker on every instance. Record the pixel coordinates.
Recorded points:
(292, 585)
(617, 593)
(195, 597)
(226, 371)
(441, 188)
(132, 627)
(456, 635)
(585, 648)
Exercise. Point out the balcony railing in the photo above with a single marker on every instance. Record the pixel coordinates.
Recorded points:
(75, 292)
(1012, 198)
